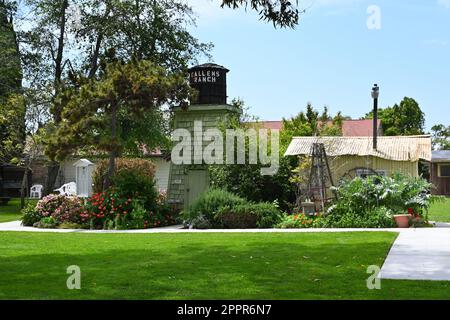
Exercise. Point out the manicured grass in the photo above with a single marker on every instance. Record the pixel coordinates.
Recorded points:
(440, 211)
(202, 266)
(11, 212)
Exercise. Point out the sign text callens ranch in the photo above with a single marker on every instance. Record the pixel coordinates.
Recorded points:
(204, 76)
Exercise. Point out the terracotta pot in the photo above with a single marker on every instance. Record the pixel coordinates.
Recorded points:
(402, 220)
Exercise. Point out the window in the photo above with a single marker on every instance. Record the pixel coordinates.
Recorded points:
(444, 170)
(364, 173)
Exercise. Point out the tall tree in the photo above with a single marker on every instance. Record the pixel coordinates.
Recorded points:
(282, 13)
(71, 40)
(401, 120)
(91, 114)
(44, 51)
(441, 137)
(12, 128)
(12, 109)
(10, 67)
(144, 29)
(309, 123)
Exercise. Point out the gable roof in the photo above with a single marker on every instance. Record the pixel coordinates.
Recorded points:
(399, 148)
(350, 128)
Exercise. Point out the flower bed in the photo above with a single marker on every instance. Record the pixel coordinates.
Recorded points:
(106, 210)
(371, 203)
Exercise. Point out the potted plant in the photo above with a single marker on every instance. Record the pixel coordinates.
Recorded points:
(405, 220)
(402, 220)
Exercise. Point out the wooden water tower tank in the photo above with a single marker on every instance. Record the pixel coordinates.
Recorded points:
(210, 80)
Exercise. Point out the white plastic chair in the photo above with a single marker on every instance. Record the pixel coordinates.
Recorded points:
(36, 191)
(68, 189)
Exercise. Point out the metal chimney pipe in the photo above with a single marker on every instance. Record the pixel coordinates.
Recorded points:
(375, 95)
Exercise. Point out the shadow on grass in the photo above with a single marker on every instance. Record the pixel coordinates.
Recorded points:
(214, 266)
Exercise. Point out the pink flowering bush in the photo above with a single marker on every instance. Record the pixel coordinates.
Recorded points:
(69, 211)
(48, 205)
(61, 209)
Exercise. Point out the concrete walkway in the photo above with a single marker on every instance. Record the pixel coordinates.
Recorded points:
(417, 254)
(16, 226)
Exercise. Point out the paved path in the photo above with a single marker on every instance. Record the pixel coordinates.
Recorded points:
(417, 254)
(16, 226)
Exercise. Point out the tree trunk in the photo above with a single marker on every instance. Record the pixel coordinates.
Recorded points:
(113, 152)
(59, 60)
(23, 187)
(50, 180)
(98, 44)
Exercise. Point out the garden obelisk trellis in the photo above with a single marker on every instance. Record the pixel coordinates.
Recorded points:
(320, 179)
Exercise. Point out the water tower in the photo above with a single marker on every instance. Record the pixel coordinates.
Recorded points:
(187, 182)
(210, 80)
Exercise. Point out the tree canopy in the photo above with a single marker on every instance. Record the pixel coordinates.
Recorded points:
(282, 13)
(101, 113)
(12, 108)
(64, 43)
(310, 123)
(401, 120)
(441, 137)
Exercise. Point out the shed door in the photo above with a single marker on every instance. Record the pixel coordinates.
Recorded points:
(198, 182)
(82, 189)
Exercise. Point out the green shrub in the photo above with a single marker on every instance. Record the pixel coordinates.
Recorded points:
(46, 223)
(131, 183)
(375, 218)
(145, 167)
(247, 182)
(218, 208)
(71, 225)
(208, 205)
(399, 194)
(238, 217)
(137, 219)
(201, 222)
(30, 215)
(249, 215)
(300, 221)
(167, 212)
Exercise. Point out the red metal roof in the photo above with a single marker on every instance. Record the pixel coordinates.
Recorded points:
(350, 128)
(359, 128)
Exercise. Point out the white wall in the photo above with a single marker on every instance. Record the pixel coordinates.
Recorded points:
(69, 171)
(162, 173)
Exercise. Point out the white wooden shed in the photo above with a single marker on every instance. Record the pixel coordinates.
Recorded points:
(83, 175)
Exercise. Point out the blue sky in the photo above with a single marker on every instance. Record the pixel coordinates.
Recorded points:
(332, 58)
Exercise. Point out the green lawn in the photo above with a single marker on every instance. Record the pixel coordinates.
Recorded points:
(202, 266)
(11, 212)
(440, 211)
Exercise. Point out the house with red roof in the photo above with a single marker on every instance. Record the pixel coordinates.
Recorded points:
(350, 128)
